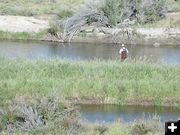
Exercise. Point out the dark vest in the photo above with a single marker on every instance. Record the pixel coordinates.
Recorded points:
(124, 54)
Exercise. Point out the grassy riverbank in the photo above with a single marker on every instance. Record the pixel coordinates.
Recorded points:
(39, 92)
(21, 35)
(150, 127)
(91, 81)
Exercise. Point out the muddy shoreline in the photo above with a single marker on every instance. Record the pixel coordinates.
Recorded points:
(167, 102)
(139, 36)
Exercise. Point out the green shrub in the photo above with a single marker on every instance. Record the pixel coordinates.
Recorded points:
(64, 14)
(152, 11)
(113, 10)
(53, 29)
(101, 129)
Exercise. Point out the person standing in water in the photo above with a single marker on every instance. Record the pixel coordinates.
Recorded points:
(123, 52)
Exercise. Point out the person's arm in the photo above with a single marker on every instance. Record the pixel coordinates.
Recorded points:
(120, 51)
(127, 50)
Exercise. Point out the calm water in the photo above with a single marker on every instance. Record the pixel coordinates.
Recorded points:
(111, 113)
(76, 51)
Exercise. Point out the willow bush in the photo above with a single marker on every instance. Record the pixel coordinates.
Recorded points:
(142, 11)
(109, 13)
(152, 11)
(39, 114)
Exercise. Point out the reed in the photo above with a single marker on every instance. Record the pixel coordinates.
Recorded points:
(112, 82)
(21, 35)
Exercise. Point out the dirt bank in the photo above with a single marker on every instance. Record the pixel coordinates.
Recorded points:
(167, 102)
(91, 34)
(22, 24)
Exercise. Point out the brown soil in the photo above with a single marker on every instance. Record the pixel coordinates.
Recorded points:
(169, 102)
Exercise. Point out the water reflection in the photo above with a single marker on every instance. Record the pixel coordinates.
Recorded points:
(75, 51)
(111, 113)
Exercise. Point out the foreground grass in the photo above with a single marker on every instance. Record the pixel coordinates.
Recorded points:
(141, 127)
(102, 81)
(117, 128)
(46, 115)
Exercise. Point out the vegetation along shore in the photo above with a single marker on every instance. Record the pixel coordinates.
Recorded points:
(42, 96)
(147, 22)
(98, 82)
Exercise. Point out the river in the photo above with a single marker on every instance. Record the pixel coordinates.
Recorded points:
(111, 113)
(81, 51)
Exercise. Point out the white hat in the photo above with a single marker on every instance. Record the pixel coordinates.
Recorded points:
(122, 45)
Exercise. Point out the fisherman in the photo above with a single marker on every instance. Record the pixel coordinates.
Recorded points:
(123, 52)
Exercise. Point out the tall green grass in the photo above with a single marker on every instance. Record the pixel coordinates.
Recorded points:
(21, 35)
(107, 81)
